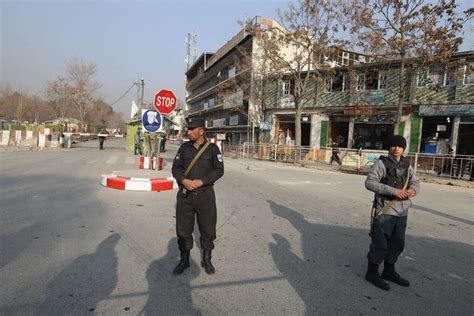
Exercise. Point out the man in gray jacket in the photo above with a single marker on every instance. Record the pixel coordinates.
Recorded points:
(394, 182)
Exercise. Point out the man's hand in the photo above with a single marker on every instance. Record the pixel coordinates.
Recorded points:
(188, 184)
(411, 192)
(191, 184)
(197, 183)
(402, 194)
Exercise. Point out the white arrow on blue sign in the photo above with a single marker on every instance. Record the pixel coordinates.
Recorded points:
(152, 121)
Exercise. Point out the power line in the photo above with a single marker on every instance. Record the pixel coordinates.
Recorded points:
(123, 95)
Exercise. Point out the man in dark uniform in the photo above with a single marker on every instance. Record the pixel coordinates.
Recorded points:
(102, 136)
(196, 194)
(394, 182)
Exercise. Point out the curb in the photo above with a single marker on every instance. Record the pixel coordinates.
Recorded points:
(138, 184)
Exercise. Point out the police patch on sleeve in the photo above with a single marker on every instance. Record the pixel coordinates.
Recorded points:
(219, 157)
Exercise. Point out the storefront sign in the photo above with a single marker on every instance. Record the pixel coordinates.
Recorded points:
(266, 126)
(218, 122)
(234, 120)
(287, 101)
(361, 111)
(447, 110)
(371, 97)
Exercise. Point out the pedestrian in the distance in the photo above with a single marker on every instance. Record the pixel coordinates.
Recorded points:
(162, 142)
(197, 165)
(102, 136)
(335, 154)
(138, 142)
(394, 182)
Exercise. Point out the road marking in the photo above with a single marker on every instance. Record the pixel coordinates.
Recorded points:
(456, 276)
(130, 161)
(112, 160)
(306, 182)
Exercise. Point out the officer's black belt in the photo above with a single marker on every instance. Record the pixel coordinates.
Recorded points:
(202, 189)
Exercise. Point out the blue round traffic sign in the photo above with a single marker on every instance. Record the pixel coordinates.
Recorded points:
(151, 121)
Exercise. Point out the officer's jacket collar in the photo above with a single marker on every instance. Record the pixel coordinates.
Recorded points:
(391, 157)
(190, 143)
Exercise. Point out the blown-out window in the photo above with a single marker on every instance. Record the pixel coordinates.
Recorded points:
(372, 80)
(469, 73)
(288, 87)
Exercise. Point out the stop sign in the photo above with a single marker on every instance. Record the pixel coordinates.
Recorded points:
(165, 101)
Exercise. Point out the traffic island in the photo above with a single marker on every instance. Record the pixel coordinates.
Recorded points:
(137, 180)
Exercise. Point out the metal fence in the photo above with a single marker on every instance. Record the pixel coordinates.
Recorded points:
(459, 167)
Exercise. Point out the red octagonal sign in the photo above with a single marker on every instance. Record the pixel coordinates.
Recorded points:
(165, 101)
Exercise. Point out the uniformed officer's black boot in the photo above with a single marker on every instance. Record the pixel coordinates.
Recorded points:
(373, 277)
(206, 262)
(390, 274)
(183, 263)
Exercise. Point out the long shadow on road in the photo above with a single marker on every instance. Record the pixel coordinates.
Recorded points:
(84, 283)
(169, 294)
(328, 272)
(442, 214)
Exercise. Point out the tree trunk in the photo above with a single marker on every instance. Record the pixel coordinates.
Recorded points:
(297, 122)
(401, 94)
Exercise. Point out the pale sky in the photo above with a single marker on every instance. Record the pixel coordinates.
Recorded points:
(127, 40)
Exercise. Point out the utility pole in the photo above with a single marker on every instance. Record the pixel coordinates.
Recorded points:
(140, 92)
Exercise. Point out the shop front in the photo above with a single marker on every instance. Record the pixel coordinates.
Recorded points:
(285, 129)
(366, 127)
(371, 133)
(447, 129)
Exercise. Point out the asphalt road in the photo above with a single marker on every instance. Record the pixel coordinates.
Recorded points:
(291, 241)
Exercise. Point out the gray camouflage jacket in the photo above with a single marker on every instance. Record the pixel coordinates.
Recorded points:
(373, 183)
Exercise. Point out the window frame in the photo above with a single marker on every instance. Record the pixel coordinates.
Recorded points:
(361, 85)
(287, 86)
(345, 57)
(437, 77)
(470, 76)
(232, 71)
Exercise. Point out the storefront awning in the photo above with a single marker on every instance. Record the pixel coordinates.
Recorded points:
(447, 110)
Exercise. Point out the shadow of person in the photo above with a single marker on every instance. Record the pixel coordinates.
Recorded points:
(13, 244)
(330, 269)
(169, 294)
(296, 271)
(316, 274)
(88, 280)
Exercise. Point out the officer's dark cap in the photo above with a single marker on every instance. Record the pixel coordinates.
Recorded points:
(397, 140)
(194, 122)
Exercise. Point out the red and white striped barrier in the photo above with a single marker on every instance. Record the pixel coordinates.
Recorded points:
(17, 137)
(5, 137)
(146, 163)
(152, 163)
(138, 184)
(69, 134)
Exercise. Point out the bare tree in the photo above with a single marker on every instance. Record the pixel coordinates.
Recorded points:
(21, 107)
(59, 93)
(81, 77)
(297, 52)
(402, 29)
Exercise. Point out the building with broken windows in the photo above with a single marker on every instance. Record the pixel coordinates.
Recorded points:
(354, 107)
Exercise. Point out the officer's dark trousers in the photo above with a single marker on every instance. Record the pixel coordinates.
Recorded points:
(101, 142)
(202, 205)
(388, 238)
